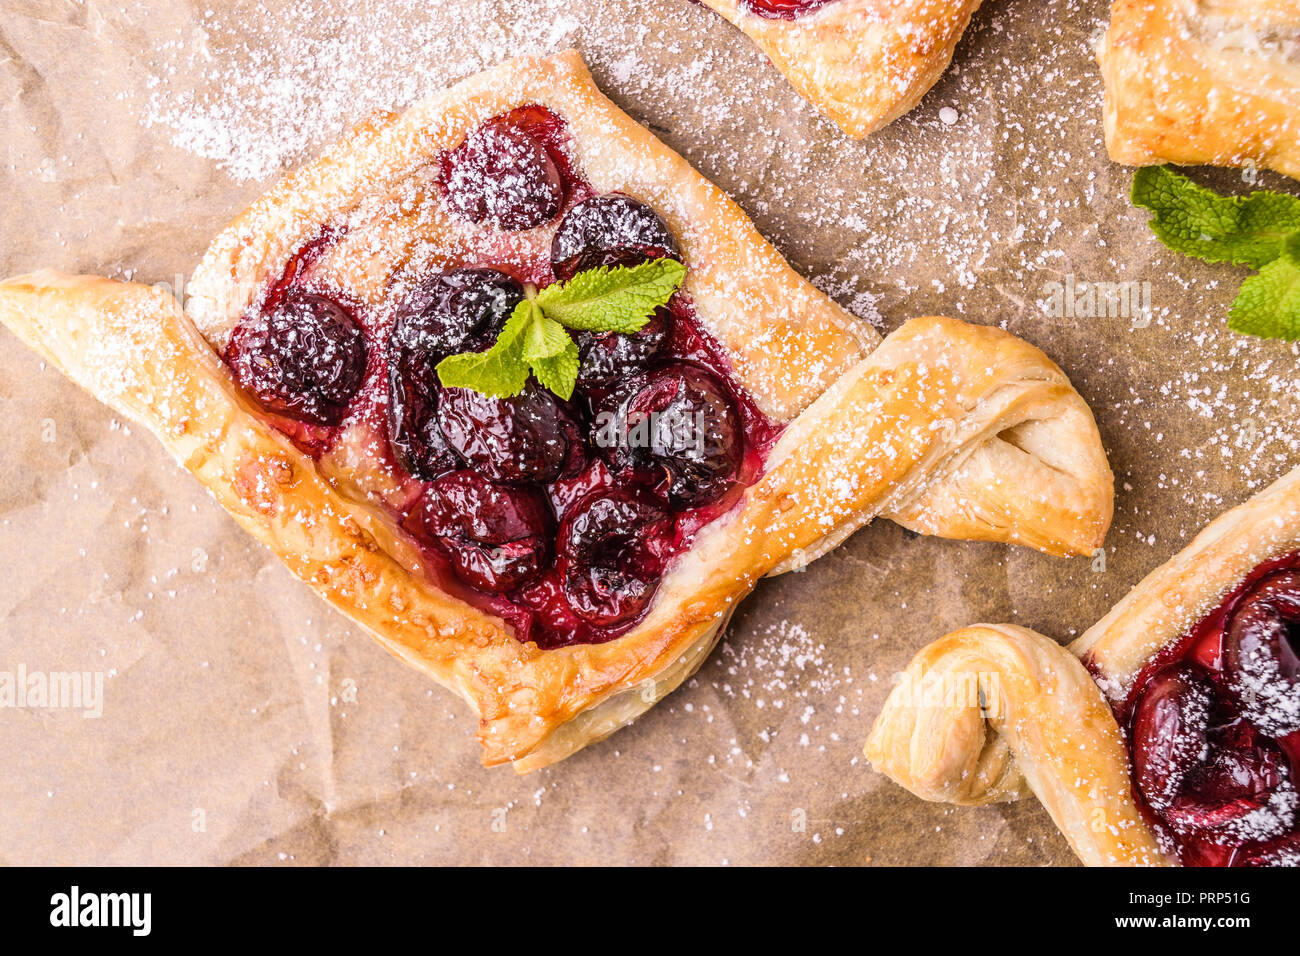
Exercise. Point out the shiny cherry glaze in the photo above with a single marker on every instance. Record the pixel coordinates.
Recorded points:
(497, 536)
(461, 310)
(1214, 729)
(511, 172)
(509, 503)
(304, 359)
(783, 9)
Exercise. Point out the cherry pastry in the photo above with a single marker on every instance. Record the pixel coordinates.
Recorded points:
(559, 585)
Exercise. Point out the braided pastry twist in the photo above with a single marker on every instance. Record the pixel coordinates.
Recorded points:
(990, 710)
(1053, 732)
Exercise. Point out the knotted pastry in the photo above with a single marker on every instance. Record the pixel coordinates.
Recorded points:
(1203, 81)
(1185, 745)
(863, 63)
(561, 586)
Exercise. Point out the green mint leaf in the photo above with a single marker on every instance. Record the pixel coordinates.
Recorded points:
(619, 299)
(559, 372)
(544, 337)
(535, 337)
(502, 370)
(1191, 219)
(1268, 304)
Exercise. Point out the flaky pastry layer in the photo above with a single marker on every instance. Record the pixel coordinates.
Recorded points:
(1203, 82)
(863, 63)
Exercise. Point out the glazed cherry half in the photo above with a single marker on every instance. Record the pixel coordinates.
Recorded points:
(305, 358)
(461, 310)
(613, 551)
(504, 175)
(604, 358)
(609, 230)
(496, 536)
(678, 427)
(531, 437)
(1259, 654)
(457, 311)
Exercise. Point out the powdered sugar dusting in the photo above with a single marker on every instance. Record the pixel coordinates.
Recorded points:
(1009, 216)
(779, 667)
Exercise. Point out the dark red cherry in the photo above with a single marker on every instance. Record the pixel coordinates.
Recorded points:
(530, 437)
(783, 9)
(613, 550)
(497, 536)
(1259, 654)
(609, 230)
(607, 357)
(678, 424)
(1169, 731)
(305, 358)
(413, 431)
(1243, 792)
(503, 175)
(457, 311)
(1284, 851)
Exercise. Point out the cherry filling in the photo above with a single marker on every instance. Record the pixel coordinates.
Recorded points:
(458, 311)
(783, 9)
(1214, 728)
(497, 536)
(304, 359)
(560, 516)
(505, 175)
(610, 230)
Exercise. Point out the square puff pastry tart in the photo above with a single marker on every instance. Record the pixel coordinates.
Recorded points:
(945, 427)
(1169, 732)
(863, 63)
(1195, 82)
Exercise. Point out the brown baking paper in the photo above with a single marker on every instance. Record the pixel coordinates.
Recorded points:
(243, 721)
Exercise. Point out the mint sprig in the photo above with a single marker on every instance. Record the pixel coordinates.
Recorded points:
(535, 338)
(1269, 303)
(1260, 230)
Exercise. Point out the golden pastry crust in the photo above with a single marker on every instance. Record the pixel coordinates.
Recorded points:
(938, 749)
(1177, 595)
(1203, 81)
(863, 63)
(986, 710)
(937, 427)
